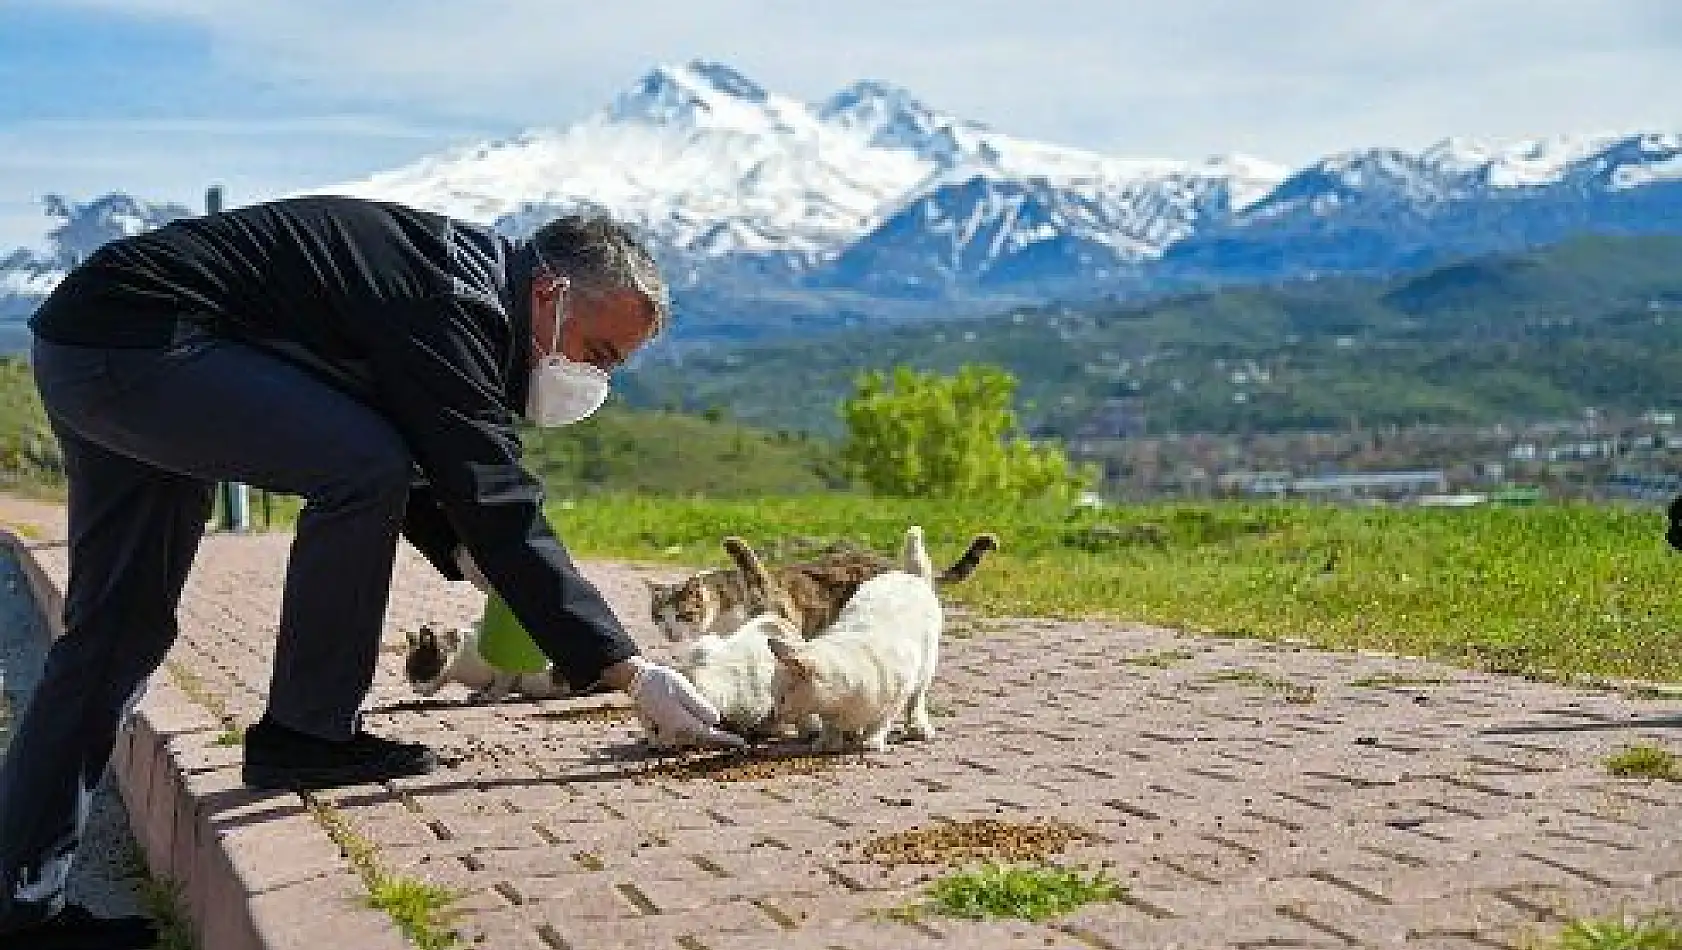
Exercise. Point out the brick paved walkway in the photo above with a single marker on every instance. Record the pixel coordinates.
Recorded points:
(1248, 795)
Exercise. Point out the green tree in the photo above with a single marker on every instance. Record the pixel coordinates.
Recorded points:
(925, 435)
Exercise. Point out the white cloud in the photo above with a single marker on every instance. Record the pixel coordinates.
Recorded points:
(1281, 77)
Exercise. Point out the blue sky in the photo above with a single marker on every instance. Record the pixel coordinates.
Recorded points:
(160, 97)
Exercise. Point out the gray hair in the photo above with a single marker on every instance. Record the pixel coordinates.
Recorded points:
(600, 255)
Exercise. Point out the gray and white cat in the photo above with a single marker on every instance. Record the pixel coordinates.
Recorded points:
(873, 666)
(433, 660)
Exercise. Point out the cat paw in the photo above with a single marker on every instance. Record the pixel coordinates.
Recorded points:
(919, 731)
(874, 744)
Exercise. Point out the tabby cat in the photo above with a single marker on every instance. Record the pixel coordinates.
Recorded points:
(812, 592)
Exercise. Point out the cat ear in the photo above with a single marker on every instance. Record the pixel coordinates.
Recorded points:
(790, 657)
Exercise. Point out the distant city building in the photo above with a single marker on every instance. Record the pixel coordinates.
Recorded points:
(1339, 484)
(1645, 486)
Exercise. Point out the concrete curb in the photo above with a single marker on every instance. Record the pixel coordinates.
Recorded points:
(253, 869)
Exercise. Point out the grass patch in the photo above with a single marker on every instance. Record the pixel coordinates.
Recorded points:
(27, 530)
(421, 910)
(1463, 585)
(1023, 892)
(1645, 761)
(1160, 659)
(1651, 691)
(197, 690)
(417, 908)
(1375, 682)
(162, 901)
(1292, 692)
(1649, 932)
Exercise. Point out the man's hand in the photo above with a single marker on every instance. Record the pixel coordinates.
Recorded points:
(666, 699)
(470, 570)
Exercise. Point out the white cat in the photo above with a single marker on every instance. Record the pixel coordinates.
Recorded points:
(734, 670)
(434, 660)
(874, 665)
(735, 673)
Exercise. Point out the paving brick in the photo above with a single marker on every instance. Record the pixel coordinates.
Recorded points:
(321, 912)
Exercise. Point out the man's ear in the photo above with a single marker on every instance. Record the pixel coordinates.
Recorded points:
(545, 280)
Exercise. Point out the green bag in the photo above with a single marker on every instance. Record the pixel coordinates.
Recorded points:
(504, 643)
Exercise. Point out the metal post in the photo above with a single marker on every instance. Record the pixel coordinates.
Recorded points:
(235, 497)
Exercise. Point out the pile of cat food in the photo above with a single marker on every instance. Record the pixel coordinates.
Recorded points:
(743, 765)
(984, 839)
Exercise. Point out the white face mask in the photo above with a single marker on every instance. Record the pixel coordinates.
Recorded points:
(563, 391)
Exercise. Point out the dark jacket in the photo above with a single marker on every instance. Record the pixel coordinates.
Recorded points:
(420, 316)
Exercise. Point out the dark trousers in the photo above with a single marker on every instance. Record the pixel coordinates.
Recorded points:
(145, 433)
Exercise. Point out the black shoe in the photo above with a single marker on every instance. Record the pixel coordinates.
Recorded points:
(74, 928)
(280, 758)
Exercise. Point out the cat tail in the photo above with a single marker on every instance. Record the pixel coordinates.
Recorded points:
(760, 588)
(965, 565)
(914, 556)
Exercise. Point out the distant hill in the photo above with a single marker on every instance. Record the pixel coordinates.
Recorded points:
(653, 452)
(1592, 321)
(618, 449)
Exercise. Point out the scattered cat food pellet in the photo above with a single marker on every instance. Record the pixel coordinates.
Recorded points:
(982, 839)
(749, 765)
(588, 714)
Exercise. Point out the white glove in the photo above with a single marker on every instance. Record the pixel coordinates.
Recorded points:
(470, 570)
(678, 713)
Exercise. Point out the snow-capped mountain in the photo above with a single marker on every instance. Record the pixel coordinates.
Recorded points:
(26, 276)
(711, 164)
(770, 211)
(1383, 209)
(978, 224)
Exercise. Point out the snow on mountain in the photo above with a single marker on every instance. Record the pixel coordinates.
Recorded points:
(983, 225)
(698, 155)
(1385, 209)
(711, 163)
(1459, 169)
(891, 117)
